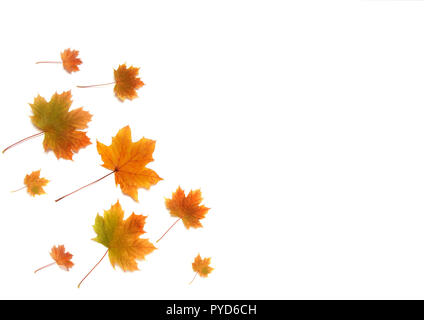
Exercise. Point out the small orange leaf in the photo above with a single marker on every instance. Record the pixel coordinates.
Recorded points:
(128, 161)
(127, 82)
(35, 184)
(62, 258)
(60, 126)
(188, 209)
(201, 267)
(70, 60)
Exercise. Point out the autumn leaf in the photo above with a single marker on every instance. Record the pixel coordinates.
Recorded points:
(126, 82)
(70, 60)
(127, 160)
(34, 184)
(61, 127)
(186, 208)
(61, 258)
(122, 238)
(201, 267)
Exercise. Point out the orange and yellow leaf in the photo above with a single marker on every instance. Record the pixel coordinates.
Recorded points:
(201, 266)
(35, 184)
(187, 208)
(128, 160)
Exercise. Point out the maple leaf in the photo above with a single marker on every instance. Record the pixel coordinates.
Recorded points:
(60, 127)
(122, 238)
(70, 60)
(35, 184)
(186, 208)
(201, 267)
(61, 258)
(126, 82)
(128, 161)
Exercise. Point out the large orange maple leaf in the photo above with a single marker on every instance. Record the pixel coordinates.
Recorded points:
(128, 161)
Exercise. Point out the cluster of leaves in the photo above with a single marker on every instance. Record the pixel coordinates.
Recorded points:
(64, 135)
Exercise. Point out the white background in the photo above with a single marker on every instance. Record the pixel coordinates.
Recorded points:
(301, 122)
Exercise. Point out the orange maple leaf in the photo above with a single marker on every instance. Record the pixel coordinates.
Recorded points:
(128, 161)
(35, 184)
(122, 238)
(61, 258)
(126, 82)
(201, 267)
(186, 208)
(70, 60)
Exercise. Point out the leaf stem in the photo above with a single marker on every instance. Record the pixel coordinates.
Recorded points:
(48, 62)
(194, 277)
(18, 189)
(97, 85)
(168, 230)
(93, 267)
(87, 185)
(50, 264)
(23, 140)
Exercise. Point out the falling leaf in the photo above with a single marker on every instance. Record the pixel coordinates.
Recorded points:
(201, 267)
(60, 126)
(70, 60)
(35, 184)
(122, 238)
(61, 258)
(128, 160)
(187, 209)
(127, 82)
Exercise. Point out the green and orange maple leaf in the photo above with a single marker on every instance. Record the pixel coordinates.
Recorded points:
(186, 208)
(61, 128)
(128, 160)
(122, 238)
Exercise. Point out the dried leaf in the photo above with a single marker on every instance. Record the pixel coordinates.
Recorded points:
(35, 184)
(128, 161)
(127, 82)
(201, 266)
(61, 127)
(121, 237)
(188, 209)
(70, 60)
(62, 258)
